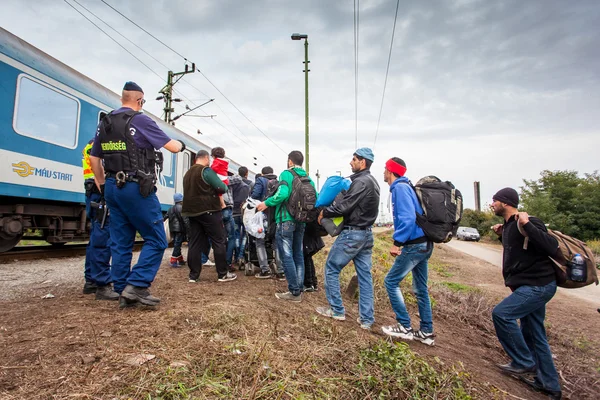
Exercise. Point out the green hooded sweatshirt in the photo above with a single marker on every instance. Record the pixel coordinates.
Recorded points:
(279, 199)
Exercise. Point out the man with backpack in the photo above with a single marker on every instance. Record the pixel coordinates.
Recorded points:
(266, 185)
(530, 275)
(177, 227)
(413, 257)
(239, 193)
(359, 206)
(294, 203)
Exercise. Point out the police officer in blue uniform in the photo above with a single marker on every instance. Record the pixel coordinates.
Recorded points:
(126, 140)
(97, 254)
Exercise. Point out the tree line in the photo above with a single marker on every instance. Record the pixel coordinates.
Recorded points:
(564, 200)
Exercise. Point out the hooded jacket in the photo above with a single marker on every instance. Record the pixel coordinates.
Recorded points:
(360, 205)
(239, 193)
(405, 205)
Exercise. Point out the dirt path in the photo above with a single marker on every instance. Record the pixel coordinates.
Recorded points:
(493, 255)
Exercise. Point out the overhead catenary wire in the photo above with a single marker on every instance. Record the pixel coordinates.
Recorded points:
(356, 41)
(198, 69)
(142, 62)
(387, 70)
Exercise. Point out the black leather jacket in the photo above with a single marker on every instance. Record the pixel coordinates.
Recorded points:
(360, 205)
(176, 221)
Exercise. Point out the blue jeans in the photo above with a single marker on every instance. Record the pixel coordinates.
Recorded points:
(131, 212)
(240, 238)
(527, 346)
(289, 237)
(230, 228)
(177, 241)
(357, 246)
(97, 252)
(414, 257)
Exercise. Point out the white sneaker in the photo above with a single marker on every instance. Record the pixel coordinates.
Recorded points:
(329, 313)
(398, 331)
(426, 338)
(228, 277)
(209, 263)
(363, 325)
(193, 281)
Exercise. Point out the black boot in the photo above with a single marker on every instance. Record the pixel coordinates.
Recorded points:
(537, 386)
(133, 294)
(106, 293)
(89, 287)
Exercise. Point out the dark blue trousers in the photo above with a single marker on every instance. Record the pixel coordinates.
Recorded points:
(97, 253)
(130, 212)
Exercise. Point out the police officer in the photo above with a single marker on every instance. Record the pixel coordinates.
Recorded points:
(97, 254)
(126, 139)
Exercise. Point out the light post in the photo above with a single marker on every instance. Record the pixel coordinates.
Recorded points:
(298, 36)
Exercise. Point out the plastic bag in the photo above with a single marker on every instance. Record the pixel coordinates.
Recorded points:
(254, 221)
(332, 186)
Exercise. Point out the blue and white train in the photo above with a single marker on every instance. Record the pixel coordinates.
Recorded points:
(49, 113)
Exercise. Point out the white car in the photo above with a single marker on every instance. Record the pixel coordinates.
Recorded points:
(466, 233)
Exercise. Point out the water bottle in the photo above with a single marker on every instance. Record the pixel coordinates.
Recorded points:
(577, 269)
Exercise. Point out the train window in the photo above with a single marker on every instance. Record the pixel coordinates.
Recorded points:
(45, 113)
(186, 162)
(167, 162)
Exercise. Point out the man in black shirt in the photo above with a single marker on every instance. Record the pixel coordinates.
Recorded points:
(529, 274)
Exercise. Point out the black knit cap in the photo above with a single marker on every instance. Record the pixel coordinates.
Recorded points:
(133, 87)
(508, 196)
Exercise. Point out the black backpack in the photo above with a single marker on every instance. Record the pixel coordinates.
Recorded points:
(302, 200)
(272, 186)
(442, 206)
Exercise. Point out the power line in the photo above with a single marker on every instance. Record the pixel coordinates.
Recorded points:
(151, 35)
(114, 40)
(205, 77)
(386, 73)
(138, 59)
(356, 41)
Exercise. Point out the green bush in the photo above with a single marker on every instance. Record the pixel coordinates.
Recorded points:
(480, 220)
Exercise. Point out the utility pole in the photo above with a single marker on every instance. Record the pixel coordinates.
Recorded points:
(477, 190)
(318, 177)
(167, 91)
(298, 36)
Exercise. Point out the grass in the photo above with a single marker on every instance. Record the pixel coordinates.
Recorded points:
(460, 288)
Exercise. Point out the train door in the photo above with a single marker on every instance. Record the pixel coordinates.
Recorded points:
(184, 161)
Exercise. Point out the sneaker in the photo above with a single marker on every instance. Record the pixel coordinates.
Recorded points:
(280, 276)
(263, 275)
(308, 289)
(193, 281)
(231, 268)
(289, 296)
(209, 263)
(329, 313)
(180, 261)
(427, 338)
(228, 277)
(398, 331)
(173, 262)
(89, 287)
(106, 292)
(537, 386)
(363, 325)
(133, 294)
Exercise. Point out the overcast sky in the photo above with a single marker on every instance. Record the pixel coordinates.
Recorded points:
(490, 91)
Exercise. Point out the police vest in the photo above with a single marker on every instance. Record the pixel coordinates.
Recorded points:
(85, 163)
(120, 151)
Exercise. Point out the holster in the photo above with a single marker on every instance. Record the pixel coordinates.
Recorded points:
(146, 182)
(90, 187)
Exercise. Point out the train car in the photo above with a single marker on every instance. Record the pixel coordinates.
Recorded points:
(49, 113)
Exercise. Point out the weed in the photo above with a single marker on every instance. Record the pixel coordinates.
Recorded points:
(460, 288)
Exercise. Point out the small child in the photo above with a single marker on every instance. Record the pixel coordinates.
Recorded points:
(177, 226)
(220, 165)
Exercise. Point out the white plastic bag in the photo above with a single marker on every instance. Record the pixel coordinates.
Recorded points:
(254, 221)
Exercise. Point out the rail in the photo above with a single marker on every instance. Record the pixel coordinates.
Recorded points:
(21, 253)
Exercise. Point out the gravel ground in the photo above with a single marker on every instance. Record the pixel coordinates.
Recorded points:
(38, 278)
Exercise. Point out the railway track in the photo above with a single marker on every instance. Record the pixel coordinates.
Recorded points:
(41, 252)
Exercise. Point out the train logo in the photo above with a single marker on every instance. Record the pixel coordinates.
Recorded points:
(23, 169)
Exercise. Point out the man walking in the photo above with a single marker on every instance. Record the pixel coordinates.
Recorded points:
(529, 274)
(359, 207)
(239, 192)
(202, 205)
(289, 233)
(127, 140)
(414, 256)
